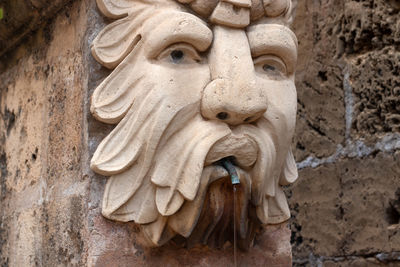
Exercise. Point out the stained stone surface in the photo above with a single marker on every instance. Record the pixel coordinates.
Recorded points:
(118, 245)
(345, 220)
(345, 205)
(43, 196)
(321, 111)
(22, 17)
(375, 78)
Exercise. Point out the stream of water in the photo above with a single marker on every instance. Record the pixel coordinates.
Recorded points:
(230, 167)
(234, 227)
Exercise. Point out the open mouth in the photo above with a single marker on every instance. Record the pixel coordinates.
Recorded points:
(227, 213)
(228, 198)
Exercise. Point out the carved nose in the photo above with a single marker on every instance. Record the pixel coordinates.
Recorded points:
(233, 95)
(224, 101)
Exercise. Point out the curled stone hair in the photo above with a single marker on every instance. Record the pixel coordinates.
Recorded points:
(244, 11)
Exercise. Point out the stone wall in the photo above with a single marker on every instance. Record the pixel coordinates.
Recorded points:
(22, 17)
(345, 205)
(43, 205)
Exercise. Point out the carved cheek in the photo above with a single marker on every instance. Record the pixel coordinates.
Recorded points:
(282, 103)
(180, 84)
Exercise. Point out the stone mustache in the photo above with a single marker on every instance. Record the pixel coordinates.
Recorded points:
(194, 82)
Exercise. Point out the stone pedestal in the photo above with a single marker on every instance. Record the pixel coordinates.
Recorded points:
(115, 244)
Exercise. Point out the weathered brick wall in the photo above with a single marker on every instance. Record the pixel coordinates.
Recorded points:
(346, 203)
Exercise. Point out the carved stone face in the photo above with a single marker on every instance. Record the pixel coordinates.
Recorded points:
(189, 89)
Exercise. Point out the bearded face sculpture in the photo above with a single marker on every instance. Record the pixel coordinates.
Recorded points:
(195, 82)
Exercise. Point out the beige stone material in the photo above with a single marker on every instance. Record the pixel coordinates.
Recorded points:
(184, 96)
(231, 15)
(275, 8)
(43, 182)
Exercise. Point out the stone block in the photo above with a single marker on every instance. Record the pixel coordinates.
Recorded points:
(375, 81)
(346, 208)
(115, 244)
(319, 80)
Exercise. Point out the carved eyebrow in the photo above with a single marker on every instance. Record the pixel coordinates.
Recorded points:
(274, 39)
(176, 27)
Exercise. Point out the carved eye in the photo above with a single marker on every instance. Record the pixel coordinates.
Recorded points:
(180, 54)
(272, 66)
(267, 67)
(177, 56)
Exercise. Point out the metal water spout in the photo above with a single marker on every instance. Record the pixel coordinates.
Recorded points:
(228, 165)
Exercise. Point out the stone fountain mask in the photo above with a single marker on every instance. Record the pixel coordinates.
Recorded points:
(195, 82)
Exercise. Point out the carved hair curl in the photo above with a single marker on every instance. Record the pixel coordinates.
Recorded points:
(279, 10)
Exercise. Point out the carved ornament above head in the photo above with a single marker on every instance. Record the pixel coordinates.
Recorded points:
(196, 82)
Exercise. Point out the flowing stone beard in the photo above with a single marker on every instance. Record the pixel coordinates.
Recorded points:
(161, 154)
(172, 185)
(253, 150)
(194, 195)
